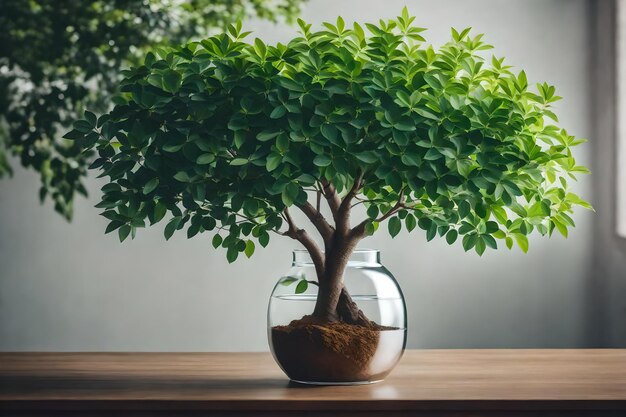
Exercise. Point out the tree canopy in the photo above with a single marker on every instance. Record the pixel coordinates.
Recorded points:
(227, 135)
(58, 57)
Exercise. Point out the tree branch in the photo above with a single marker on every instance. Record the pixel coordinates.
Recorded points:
(303, 237)
(331, 197)
(343, 213)
(319, 200)
(359, 230)
(399, 206)
(319, 221)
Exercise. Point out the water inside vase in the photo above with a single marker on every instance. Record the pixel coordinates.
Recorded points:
(385, 311)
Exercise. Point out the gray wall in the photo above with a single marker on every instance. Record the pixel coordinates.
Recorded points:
(69, 287)
(608, 282)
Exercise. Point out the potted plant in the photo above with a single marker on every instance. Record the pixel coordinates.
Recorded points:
(231, 138)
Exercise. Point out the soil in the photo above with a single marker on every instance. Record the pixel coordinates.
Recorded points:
(315, 351)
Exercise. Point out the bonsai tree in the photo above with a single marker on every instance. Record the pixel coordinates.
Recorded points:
(59, 56)
(231, 138)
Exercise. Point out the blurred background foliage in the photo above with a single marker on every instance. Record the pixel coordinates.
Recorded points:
(60, 57)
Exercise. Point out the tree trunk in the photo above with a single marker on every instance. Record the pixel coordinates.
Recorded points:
(349, 312)
(333, 300)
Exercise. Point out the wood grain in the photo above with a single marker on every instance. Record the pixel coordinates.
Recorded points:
(425, 383)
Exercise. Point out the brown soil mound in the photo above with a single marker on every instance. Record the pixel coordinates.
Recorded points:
(313, 351)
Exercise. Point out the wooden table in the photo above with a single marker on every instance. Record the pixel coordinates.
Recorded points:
(426, 383)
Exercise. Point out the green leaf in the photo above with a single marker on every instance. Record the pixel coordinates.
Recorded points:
(231, 254)
(432, 155)
(286, 281)
(500, 214)
(278, 112)
(466, 228)
(289, 194)
(264, 239)
(171, 81)
(116, 224)
(273, 161)
(149, 60)
(424, 112)
(290, 84)
(193, 229)
(512, 188)
(481, 209)
(405, 125)
(239, 162)
(74, 135)
(394, 226)
(282, 142)
(499, 234)
(123, 232)
(171, 227)
(329, 132)
(306, 179)
(159, 211)
(208, 223)
(322, 160)
(150, 186)
(410, 222)
(205, 159)
(403, 99)
(265, 135)
(424, 223)
(373, 211)
(239, 137)
(469, 241)
(370, 228)
(451, 236)
(560, 226)
(367, 157)
(491, 227)
(522, 82)
(249, 248)
(217, 241)
(91, 118)
(431, 232)
(490, 241)
(480, 246)
(522, 241)
(464, 166)
(463, 209)
(181, 176)
(574, 199)
(410, 160)
(260, 47)
(302, 286)
(173, 147)
(83, 126)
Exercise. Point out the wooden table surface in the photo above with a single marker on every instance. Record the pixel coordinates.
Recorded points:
(425, 383)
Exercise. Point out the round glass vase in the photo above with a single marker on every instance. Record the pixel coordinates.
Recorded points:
(336, 353)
